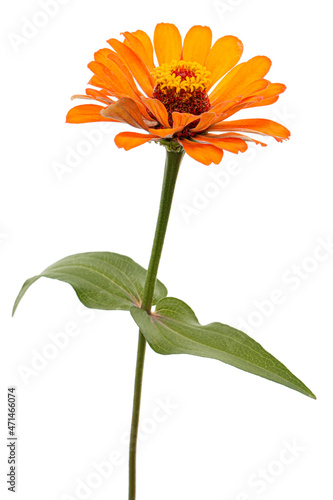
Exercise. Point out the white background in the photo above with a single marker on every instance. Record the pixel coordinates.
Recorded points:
(225, 427)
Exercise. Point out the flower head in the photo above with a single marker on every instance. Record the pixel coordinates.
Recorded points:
(183, 100)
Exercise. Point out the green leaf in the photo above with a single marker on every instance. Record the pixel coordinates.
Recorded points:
(101, 280)
(174, 329)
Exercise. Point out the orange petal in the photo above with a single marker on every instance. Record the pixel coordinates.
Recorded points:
(221, 108)
(233, 145)
(138, 69)
(143, 47)
(225, 105)
(112, 56)
(164, 133)
(245, 103)
(147, 43)
(205, 120)
(114, 76)
(129, 84)
(103, 92)
(181, 120)
(273, 90)
(269, 94)
(99, 96)
(125, 110)
(113, 79)
(86, 113)
(82, 96)
(129, 140)
(224, 81)
(264, 102)
(204, 153)
(98, 82)
(103, 74)
(167, 42)
(234, 83)
(257, 126)
(239, 136)
(158, 109)
(197, 43)
(225, 53)
(255, 87)
(134, 43)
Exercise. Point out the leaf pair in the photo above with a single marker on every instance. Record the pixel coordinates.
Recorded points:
(104, 280)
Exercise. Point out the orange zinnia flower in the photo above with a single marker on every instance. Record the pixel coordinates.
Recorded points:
(187, 98)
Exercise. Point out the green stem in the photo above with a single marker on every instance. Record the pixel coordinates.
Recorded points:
(172, 164)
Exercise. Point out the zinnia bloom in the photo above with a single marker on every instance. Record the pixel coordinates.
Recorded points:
(184, 101)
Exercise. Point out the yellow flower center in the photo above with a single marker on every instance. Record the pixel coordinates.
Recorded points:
(181, 87)
(182, 75)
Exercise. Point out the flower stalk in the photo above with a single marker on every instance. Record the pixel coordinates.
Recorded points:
(172, 164)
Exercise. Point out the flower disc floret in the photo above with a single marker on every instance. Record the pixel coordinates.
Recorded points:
(182, 75)
(181, 87)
